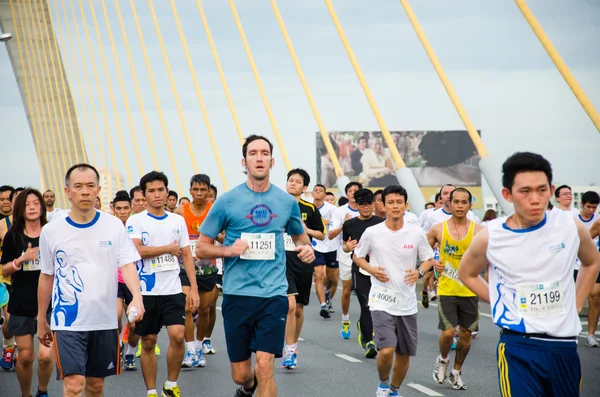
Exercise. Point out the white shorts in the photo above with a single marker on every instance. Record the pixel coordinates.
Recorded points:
(345, 261)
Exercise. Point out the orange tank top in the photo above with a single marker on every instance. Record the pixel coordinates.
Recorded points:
(193, 222)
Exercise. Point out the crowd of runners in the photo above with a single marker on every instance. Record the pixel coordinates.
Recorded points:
(166, 260)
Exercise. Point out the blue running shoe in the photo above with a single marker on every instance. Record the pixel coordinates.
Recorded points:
(345, 332)
(289, 360)
(130, 363)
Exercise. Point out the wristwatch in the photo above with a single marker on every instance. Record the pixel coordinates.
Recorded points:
(421, 273)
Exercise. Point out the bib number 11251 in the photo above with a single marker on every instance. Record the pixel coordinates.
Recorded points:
(261, 246)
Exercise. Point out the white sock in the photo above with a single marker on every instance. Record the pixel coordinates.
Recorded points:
(131, 350)
(443, 359)
(151, 391)
(189, 346)
(455, 372)
(345, 317)
(323, 305)
(198, 345)
(170, 385)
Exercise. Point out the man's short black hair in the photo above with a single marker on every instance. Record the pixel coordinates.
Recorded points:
(302, 173)
(378, 192)
(200, 179)
(120, 192)
(8, 188)
(253, 138)
(342, 201)
(437, 196)
(81, 166)
(561, 187)
(429, 204)
(349, 185)
(590, 197)
(330, 194)
(133, 190)
(173, 193)
(214, 189)
(463, 190)
(153, 176)
(524, 162)
(321, 186)
(121, 197)
(394, 189)
(183, 198)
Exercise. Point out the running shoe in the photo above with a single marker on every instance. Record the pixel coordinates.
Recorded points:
(41, 394)
(439, 370)
(138, 352)
(172, 392)
(345, 332)
(393, 394)
(189, 360)
(200, 360)
(456, 381)
(157, 350)
(130, 363)
(207, 347)
(591, 341)
(330, 307)
(152, 395)
(382, 391)
(240, 392)
(425, 300)
(324, 312)
(8, 356)
(371, 350)
(432, 296)
(474, 334)
(289, 360)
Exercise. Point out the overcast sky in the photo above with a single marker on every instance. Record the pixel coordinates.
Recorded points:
(507, 83)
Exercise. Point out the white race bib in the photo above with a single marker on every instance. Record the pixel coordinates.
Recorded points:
(540, 300)
(31, 266)
(164, 263)
(261, 246)
(289, 243)
(451, 272)
(193, 244)
(381, 298)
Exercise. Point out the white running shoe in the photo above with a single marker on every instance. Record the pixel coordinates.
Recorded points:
(382, 391)
(439, 370)
(188, 360)
(200, 360)
(456, 381)
(591, 341)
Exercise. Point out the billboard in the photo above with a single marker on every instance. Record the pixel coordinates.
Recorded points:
(435, 158)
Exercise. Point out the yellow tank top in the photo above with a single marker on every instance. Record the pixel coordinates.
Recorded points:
(451, 252)
(5, 280)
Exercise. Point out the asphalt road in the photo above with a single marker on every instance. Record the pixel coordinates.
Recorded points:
(333, 367)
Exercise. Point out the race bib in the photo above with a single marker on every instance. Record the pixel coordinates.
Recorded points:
(193, 244)
(289, 243)
(164, 263)
(451, 273)
(381, 298)
(261, 246)
(540, 300)
(31, 266)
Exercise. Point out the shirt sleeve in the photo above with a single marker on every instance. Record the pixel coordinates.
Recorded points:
(336, 219)
(425, 251)
(133, 228)
(8, 249)
(184, 237)
(295, 227)
(316, 221)
(45, 254)
(127, 252)
(216, 220)
(364, 245)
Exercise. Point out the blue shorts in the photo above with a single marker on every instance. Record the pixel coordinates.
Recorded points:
(328, 259)
(537, 368)
(254, 324)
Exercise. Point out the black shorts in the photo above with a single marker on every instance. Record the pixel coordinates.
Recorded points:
(254, 324)
(88, 353)
(219, 281)
(205, 283)
(577, 271)
(161, 311)
(299, 284)
(185, 280)
(124, 293)
(458, 310)
(22, 325)
(328, 259)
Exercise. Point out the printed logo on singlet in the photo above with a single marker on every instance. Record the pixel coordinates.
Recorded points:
(130, 229)
(556, 248)
(105, 244)
(261, 215)
(450, 250)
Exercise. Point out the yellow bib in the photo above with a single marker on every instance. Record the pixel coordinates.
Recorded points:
(451, 252)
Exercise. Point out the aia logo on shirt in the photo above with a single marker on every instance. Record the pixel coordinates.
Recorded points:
(261, 215)
(408, 247)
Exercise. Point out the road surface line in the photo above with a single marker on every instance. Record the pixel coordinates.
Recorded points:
(425, 390)
(348, 358)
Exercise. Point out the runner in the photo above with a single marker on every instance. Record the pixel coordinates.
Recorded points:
(587, 215)
(21, 262)
(205, 271)
(7, 198)
(534, 300)
(212, 314)
(299, 275)
(564, 198)
(172, 198)
(80, 255)
(330, 198)
(160, 238)
(253, 216)
(49, 200)
(458, 306)
(352, 231)
(138, 200)
(394, 247)
(6, 193)
(341, 215)
(122, 210)
(98, 204)
(183, 201)
(326, 271)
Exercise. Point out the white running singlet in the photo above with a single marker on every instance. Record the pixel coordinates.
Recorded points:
(327, 210)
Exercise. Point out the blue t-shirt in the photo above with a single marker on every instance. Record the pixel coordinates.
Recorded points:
(243, 210)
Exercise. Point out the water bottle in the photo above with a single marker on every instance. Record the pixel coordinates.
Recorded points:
(436, 257)
(132, 314)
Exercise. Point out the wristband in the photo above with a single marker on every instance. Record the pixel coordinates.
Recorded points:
(17, 268)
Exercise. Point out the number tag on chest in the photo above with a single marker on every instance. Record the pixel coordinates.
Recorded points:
(31, 266)
(261, 246)
(193, 244)
(289, 243)
(451, 272)
(164, 263)
(381, 298)
(540, 300)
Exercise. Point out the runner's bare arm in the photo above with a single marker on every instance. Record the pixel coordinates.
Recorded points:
(152, 252)
(432, 235)
(44, 294)
(132, 280)
(377, 272)
(188, 265)
(206, 248)
(472, 263)
(590, 265)
(316, 234)
(595, 230)
(477, 228)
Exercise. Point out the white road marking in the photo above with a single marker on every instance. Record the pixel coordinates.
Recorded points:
(481, 313)
(301, 339)
(425, 390)
(348, 358)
